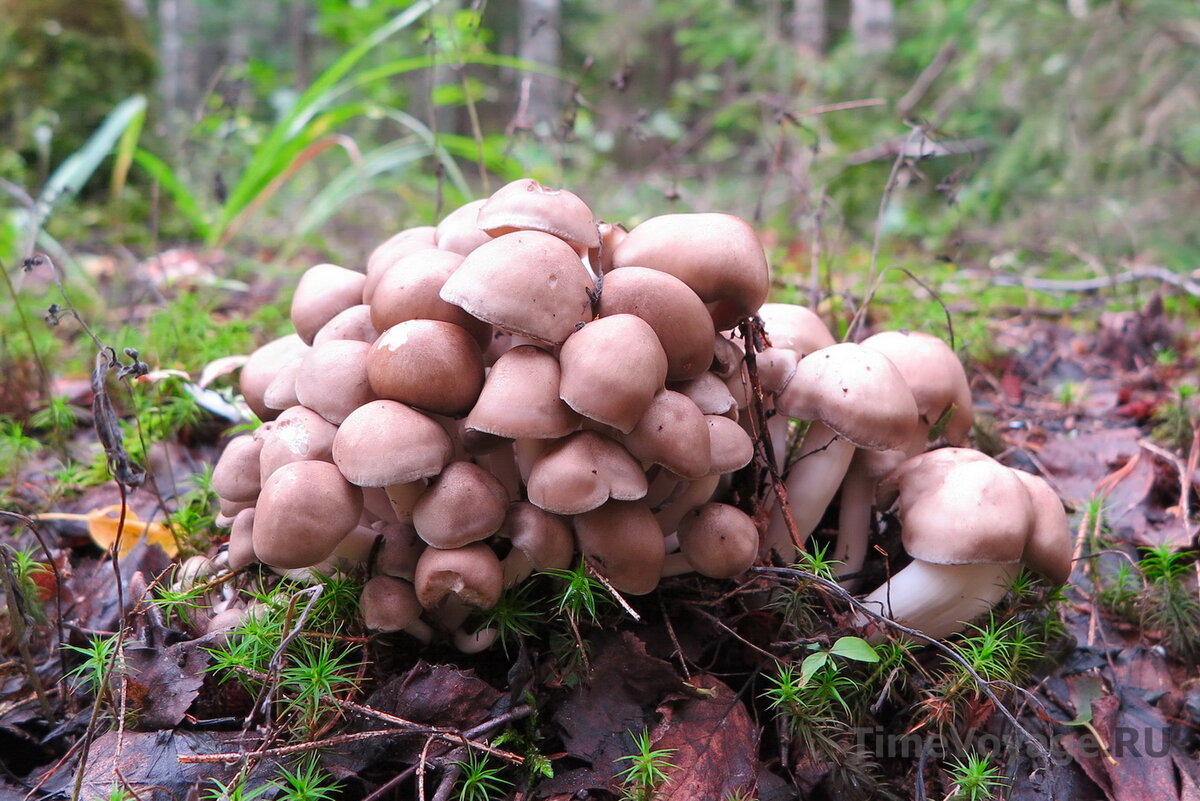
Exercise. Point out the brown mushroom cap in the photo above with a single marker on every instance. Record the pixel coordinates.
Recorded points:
(934, 374)
(303, 511)
(520, 398)
(718, 255)
(709, 393)
(581, 472)
(299, 434)
(730, 447)
(352, 323)
(526, 205)
(855, 391)
(235, 475)
(241, 540)
(390, 604)
(611, 370)
(464, 504)
(471, 573)
(718, 540)
(527, 283)
(677, 315)
(962, 511)
(430, 364)
(410, 289)
(795, 327)
(384, 443)
(540, 541)
(459, 230)
(392, 250)
(672, 433)
(626, 543)
(261, 368)
(332, 379)
(1048, 551)
(323, 291)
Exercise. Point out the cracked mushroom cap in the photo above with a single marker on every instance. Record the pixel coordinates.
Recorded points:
(626, 542)
(411, 288)
(303, 512)
(384, 443)
(581, 472)
(718, 540)
(472, 574)
(611, 370)
(520, 398)
(464, 504)
(855, 391)
(323, 291)
(677, 315)
(718, 255)
(526, 205)
(299, 434)
(527, 283)
(392, 250)
(429, 364)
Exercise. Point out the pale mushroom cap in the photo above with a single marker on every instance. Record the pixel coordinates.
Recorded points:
(280, 394)
(677, 315)
(855, 391)
(611, 370)
(303, 511)
(332, 379)
(708, 392)
(527, 283)
(718, 255)
(962, 511)
(393, 249)
(464, 504)
(389, 604)
(299, 434)
(472, 573)
(235, 475)
(795, 327)
(672, 433)
(1048, 552)
(718, 540)
(429, 364)
(352, 323)
(260, 369)
(459, 230)
(581, 472)
(526, 205)
(934, 374)
(385, 443)
(730, 447)
(520, 398)
(241, 540)
(410, 290)
(626, 542)
(323, 291)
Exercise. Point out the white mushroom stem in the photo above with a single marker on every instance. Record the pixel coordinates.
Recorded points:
(939, 600)
(811, 484)
(676, 564)
(779, 427)
(857, 504)
(515, 568)
(474, 643)
(404, 497)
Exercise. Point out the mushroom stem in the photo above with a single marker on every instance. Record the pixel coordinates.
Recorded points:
(854, 526)
(939, 600)
(811, 484)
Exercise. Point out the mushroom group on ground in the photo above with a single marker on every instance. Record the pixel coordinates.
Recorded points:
(524, 385)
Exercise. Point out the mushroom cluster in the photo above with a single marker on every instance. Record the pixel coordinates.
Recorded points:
(523, 384)
(499, 394)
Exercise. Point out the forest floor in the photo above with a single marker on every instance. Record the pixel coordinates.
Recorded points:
(680, 682)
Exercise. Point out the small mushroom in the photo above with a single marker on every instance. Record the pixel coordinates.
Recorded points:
(526, 205)
(625, 541)
(303, 512)
(390, 604)
(464, 504)
(428, 364)
(715, 540)
(323, 291)
(611, 370)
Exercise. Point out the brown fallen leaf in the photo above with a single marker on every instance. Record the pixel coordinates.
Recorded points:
(713, 744)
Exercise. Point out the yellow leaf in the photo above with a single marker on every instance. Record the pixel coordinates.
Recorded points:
(104, 523)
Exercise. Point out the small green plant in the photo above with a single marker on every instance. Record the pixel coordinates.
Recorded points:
(647, 770)
(581, 596)
(997, 650)
(974, 778)
(90, 675)
(515, 616)
(319, 670)
(306, 783)
(479, 779)
(1169, 605)
(1121, 594)
(26, 568)
(1174, 422)
(235, 790)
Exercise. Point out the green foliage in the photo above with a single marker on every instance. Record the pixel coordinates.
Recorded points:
(974, 778)
(307, 782)
(1175, 422)
(1169, 605)
(647, 768)
(515, 616)
(581, 597)
(479, 780)
(91, 674)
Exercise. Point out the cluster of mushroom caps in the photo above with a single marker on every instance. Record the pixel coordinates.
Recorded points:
(522, 385)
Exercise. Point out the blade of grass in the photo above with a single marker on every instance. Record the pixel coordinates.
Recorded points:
(185, 201)
(125, 149)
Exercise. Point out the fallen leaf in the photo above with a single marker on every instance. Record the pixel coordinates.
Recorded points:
(162, 681)
(104, 524)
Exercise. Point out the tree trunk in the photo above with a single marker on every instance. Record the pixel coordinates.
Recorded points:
(178, 24)
(539, 41)
(873, 25)
(808, 26)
